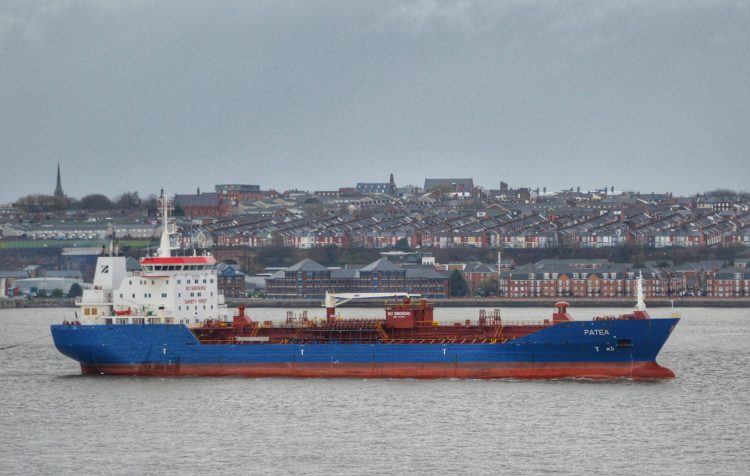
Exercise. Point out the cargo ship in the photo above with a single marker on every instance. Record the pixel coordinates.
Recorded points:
(169, 319)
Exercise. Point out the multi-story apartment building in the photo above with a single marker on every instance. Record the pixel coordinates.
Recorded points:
(310, 279)
(582, 278)
(231, 280)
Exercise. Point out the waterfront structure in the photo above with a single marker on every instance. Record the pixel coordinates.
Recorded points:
(231, 280)
(586, 278)
(478, 274)
(729, 282)
(309, 279)
(34, 286)
(8, 288)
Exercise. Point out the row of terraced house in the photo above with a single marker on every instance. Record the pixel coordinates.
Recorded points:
(437, 230)
(468, 229)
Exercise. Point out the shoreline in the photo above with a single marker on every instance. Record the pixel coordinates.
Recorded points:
(489, 303)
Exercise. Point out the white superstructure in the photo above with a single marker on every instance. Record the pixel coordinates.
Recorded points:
(168, 290)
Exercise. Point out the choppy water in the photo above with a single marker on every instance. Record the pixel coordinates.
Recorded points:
(53, 420)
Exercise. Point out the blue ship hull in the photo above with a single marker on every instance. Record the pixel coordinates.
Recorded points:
(586, 349)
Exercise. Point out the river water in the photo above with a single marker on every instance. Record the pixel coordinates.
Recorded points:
(55, 421)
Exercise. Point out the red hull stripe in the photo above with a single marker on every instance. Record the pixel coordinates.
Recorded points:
(639, 370)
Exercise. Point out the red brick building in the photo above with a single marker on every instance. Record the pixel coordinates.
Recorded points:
(202, 205)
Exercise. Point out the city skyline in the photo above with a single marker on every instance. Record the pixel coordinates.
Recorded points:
(642, 96)
(183, 190)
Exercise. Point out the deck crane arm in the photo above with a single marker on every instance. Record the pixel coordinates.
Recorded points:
(334, 299)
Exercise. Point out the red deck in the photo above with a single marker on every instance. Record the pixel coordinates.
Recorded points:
(406, 323)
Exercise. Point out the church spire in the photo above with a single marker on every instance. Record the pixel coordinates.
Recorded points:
(58, 190)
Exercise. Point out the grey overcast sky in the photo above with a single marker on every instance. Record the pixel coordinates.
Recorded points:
(126, 95)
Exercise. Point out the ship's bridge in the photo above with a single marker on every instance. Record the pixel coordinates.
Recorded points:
(178, 263)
